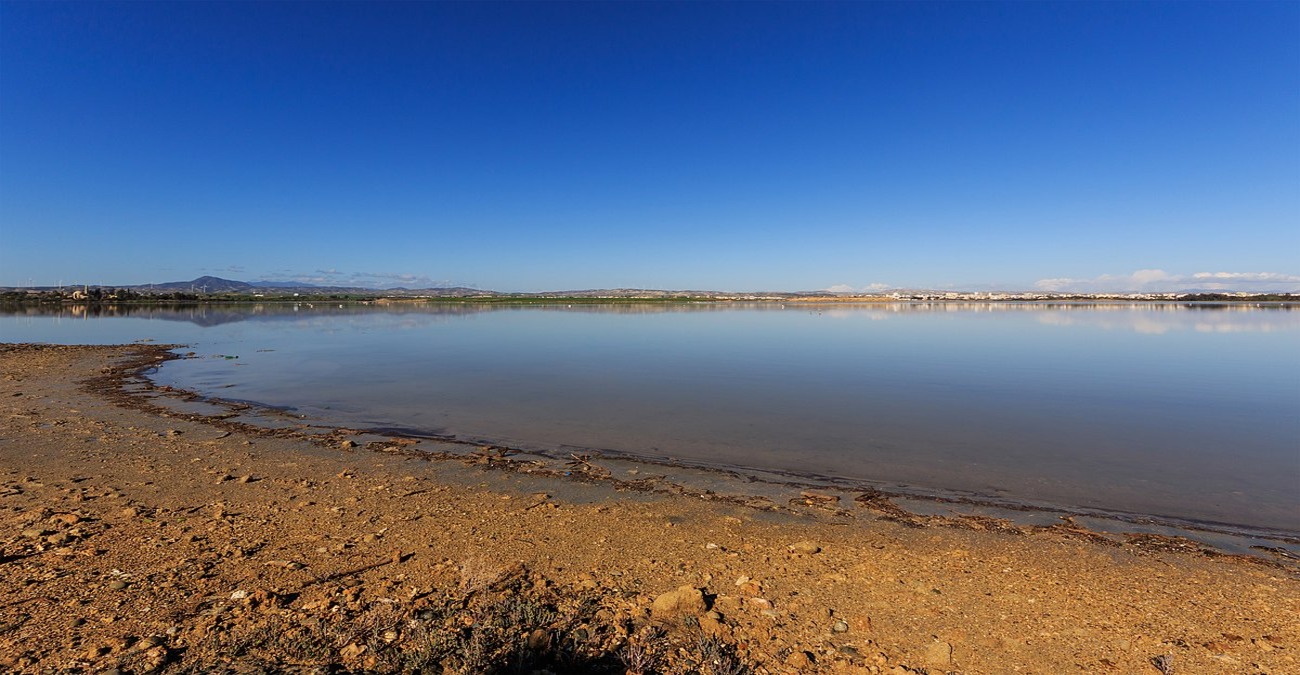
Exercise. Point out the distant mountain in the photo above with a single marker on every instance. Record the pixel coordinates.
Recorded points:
(205, 284)
(210, 285)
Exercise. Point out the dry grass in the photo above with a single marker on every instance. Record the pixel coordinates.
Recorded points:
(497, 623)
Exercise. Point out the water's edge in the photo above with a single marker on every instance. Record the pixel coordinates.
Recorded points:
(758, 488)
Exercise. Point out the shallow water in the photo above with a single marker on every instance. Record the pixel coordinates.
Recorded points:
(1187, 412)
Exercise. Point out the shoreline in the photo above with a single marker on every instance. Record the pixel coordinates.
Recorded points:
(217, 531)
(845, 496)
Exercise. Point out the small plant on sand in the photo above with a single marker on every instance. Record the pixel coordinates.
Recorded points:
(495, 622)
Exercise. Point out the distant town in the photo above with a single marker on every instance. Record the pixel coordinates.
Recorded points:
(216, 289)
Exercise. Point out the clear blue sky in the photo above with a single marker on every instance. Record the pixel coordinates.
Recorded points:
(738, 146)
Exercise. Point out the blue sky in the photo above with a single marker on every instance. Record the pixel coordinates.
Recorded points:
(734, 146)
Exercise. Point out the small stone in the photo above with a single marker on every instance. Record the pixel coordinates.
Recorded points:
(800, 660)
(938, 654)
(347, 444)
(173, 432)
(117, 585)
(34, 533)
(239, 595)
(711, 624)
(750, 588)
(840, 627)
(265, 599)
(685, 601)
(539, 639)
(58, 539)
(804, 548)
(246, 479)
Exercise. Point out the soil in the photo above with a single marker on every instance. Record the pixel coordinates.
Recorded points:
(140, 540)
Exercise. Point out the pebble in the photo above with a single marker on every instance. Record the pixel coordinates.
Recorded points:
(804, 548)
(840, 627)
(117, 585)
(938, 653)
(686, 600)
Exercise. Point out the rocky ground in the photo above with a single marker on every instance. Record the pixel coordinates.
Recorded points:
(133, 540)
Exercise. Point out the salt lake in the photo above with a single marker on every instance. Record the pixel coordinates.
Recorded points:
(1186, 412)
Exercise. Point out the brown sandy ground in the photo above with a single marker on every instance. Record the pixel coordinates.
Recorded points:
(142, 542)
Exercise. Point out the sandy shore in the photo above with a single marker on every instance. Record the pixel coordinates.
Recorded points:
(143, 541)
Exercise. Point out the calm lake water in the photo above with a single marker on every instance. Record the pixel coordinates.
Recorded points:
(1188, 412)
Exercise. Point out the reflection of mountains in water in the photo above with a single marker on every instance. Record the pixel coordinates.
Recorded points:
(210, 314)
(215, 314)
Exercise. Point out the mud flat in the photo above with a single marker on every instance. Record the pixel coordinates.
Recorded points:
(146, 538)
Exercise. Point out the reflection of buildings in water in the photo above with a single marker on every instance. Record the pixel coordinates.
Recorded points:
(1157, 319)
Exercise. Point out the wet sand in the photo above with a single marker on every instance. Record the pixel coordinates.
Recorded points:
(153, 541)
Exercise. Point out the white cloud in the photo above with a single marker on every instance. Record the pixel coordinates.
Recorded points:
(1249, 276)
(869, 288)
(1149, 276)
(1057, 284)
(334, 277)
(1157, 281)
